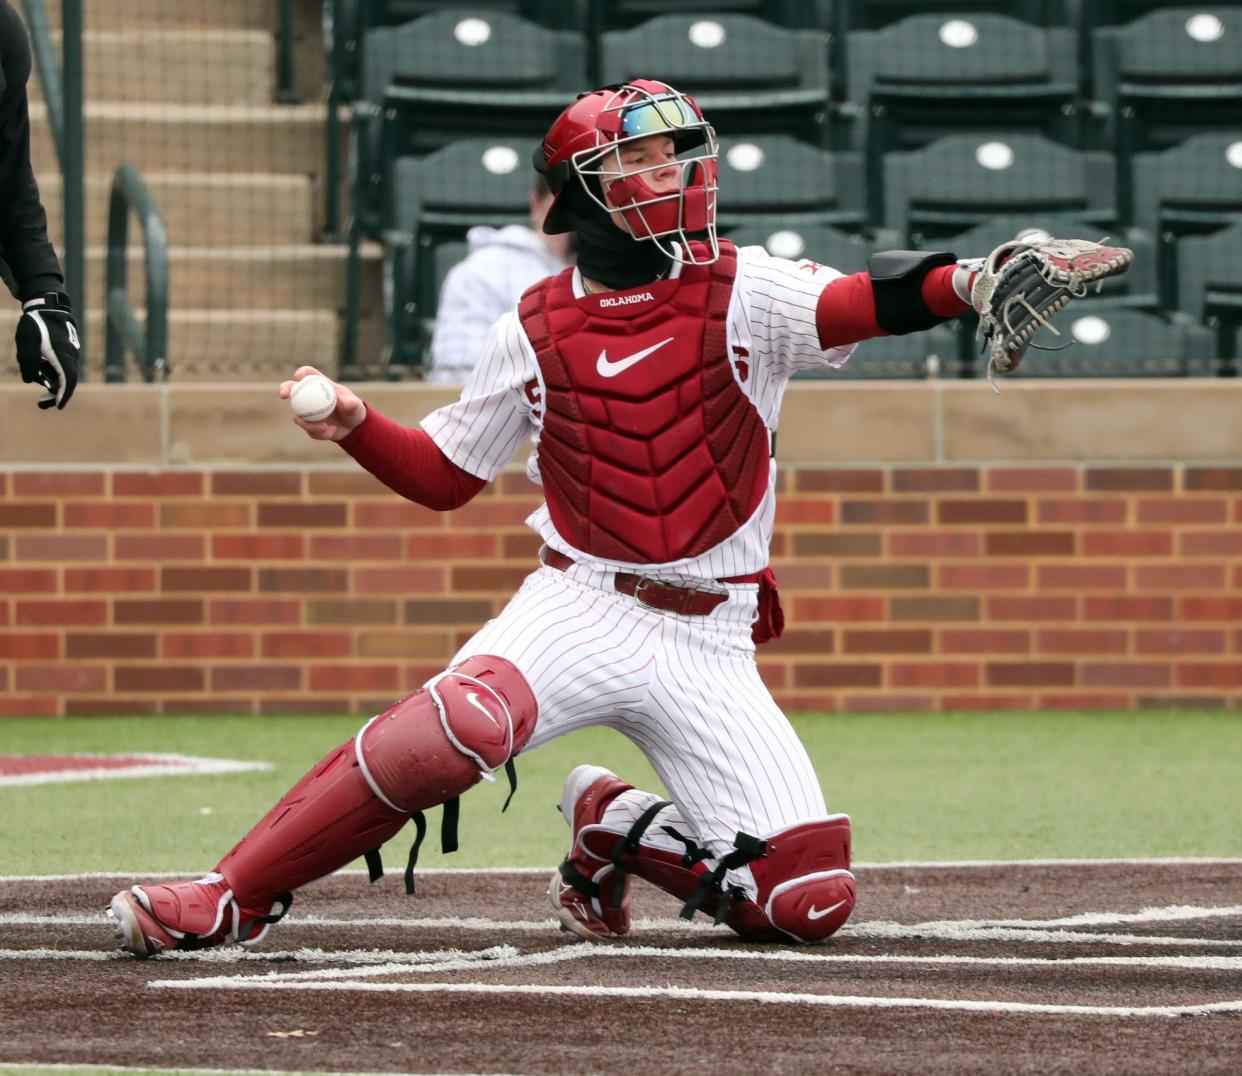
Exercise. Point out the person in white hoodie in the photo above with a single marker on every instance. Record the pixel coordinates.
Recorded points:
(488, 282)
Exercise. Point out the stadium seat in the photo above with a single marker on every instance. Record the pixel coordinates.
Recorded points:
(623, 14)
(794, 240)
(1193, 188)
(749, 76)
(450, 75)
(915, 356)
(962, 180)
(1209, 283)
(1091, 15)
(436, 199)
(1106, 340)
(1135, 288)
(776, 175)
(1169, 75)
(933, 75)
(874, 14)
(351, 20)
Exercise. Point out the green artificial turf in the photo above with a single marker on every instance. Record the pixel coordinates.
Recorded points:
(919, 786)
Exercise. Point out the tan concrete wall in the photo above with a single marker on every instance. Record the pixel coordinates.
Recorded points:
(847, 423)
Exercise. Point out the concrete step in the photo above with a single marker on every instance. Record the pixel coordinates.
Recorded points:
(178, 67)
(277, 139)
(201, 210)
(309, 276)
(172, 14)
(242, 345)
(234, 345)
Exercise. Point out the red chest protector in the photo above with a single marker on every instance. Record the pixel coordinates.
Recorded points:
(650, 452)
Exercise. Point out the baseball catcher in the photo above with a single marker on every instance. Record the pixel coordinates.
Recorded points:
(649, 379)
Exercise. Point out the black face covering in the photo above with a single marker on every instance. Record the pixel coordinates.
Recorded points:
(605, 252)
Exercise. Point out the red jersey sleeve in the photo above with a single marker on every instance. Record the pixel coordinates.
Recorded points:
(410, 463)
(845, 313)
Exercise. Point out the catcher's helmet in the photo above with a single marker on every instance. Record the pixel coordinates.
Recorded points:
(583, 147)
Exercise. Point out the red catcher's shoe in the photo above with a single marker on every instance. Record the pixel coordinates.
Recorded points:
(583, 890)
(188, 915)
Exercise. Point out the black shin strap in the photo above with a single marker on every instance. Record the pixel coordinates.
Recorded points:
(448, 831)
(375, 865)
(511, 773)
(420, 831)
(745, 848)
(628, 845)
(577, 879)
(448, 825)
(694, 853)
(246, 927)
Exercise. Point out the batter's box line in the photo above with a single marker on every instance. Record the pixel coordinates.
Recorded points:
(683, 994)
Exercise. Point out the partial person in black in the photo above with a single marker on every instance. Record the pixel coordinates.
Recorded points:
(48, 345)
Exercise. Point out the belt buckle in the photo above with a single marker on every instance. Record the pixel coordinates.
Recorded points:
(685, 593)
(643, 581)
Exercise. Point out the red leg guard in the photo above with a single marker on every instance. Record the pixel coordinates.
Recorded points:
(422, 751)
(806, 891)
(326, 820)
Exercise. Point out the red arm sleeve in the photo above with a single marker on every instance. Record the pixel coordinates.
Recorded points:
(846, 310)
(410, 463)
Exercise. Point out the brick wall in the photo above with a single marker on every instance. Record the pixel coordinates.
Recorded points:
(929, 587)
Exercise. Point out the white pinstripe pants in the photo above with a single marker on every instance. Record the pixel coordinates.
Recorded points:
(685, 689)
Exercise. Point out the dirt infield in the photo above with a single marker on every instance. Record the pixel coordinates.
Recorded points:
(1056, 968)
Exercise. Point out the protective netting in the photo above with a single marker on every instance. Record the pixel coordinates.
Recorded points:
(845, 126)
(229, 138)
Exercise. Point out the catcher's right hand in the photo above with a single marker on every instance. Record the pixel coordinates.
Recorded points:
(1022, 285)
(348, 416)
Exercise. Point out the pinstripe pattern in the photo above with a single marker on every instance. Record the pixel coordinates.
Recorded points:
(686, 690)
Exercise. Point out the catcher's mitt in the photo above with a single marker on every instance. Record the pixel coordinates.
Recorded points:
(1022, 285)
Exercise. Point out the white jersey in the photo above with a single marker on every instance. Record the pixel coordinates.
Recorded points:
(771, 335)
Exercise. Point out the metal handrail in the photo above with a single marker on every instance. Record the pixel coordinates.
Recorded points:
(150, 345)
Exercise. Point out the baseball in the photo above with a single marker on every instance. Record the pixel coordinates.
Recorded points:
(313, 398)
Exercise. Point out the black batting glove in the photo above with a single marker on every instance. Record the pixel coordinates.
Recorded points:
(49, 350)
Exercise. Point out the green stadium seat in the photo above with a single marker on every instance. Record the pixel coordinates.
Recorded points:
(748, 76)
(1209, 283)
(843, 251)
(449, 76)
(1194, 188)
(776, 175)
(915, 356)
(349, 21)
(624, 14)
(932, 75)
(1135, 288)
(874, 14)
(962, 180)
(1091, 15)
(436, 200)
(1106, 340)
(1171, 74)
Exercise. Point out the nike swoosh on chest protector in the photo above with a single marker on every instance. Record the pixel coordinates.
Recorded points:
(610, 369)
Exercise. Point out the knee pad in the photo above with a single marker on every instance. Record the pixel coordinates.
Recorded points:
(443, 739)
(805, 889)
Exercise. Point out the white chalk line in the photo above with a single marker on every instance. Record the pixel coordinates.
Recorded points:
(955, 864)
(157, 765)
(365, 963)
(1026, 930)
(613, 992)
